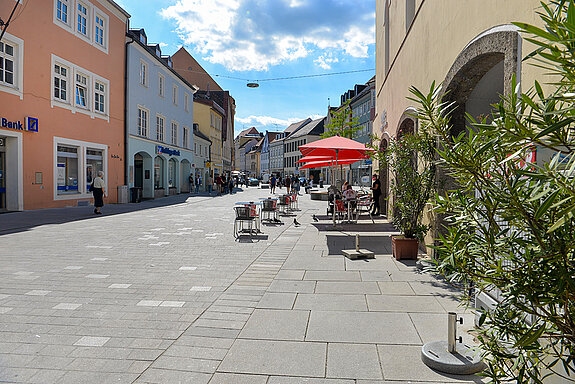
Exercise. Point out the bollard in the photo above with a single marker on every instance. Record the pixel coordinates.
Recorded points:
(357, 242)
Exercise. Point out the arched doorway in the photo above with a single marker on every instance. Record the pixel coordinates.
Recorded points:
(482, 72)
(159, 177)
(173, 176)
(143, 167)
(384, 176)
(186, 169)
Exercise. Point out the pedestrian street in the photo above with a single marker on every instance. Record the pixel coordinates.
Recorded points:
(162, 292)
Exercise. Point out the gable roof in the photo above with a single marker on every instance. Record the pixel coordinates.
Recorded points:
(314, 127)
(192, 71)
(295, 126)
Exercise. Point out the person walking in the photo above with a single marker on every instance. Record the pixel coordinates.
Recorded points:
(296, 185)
(209, 183)
(191, 182)
(376, 191)
(287, 183)
(98, 191)
(219, 184)
(272, 184)
(197, 182)
(231, 184)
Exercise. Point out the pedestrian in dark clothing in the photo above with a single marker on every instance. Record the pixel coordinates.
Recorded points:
(376, 190)
(98, 191)
(287, 183)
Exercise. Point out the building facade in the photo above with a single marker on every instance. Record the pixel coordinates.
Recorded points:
(209, 117)
(193, 72)
(202, 151)
(363, 110)
(276, 155)
(159, 121)
(62, 105)
(305, 134)
(265, 154)
(474, 55)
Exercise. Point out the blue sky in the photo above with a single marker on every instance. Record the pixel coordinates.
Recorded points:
(258, 40)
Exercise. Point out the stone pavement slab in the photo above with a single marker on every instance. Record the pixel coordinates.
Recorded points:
(287, 358)
(362, 327)
(276, 325)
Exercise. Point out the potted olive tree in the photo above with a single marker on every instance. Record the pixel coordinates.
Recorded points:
(411, 163)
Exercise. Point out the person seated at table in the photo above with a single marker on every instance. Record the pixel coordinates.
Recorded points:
(350, 195)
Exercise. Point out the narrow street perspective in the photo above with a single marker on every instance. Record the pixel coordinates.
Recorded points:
(166, 294)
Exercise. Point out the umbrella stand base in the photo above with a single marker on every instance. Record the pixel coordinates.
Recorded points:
(353, 254)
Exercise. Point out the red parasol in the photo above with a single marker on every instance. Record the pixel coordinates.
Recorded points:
(336, 146)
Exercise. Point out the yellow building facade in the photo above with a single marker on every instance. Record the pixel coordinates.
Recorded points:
(208, 116)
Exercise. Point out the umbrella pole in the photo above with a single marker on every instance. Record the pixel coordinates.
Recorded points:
(334, 202)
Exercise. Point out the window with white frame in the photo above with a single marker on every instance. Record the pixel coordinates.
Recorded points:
(186, 102)
(174, 133)
(7, 63)
(142, 122)
(62, 11)
(99, 30)
(175, 95)
(160, 124)
(161, 85)
(82, 26)
(143, 73)
(61, 74)
(186, 137)
(99, 97)
(81, 90)
(67, 170)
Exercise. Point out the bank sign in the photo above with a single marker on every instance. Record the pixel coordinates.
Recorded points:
(30, 124)
(167, 151)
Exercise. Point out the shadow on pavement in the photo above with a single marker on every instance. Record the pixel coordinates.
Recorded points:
(14, 222)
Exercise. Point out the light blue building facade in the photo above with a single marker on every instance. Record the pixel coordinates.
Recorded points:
(159, 121)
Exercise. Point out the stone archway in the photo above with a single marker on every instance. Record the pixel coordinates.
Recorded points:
(384, 176)
(481, 72)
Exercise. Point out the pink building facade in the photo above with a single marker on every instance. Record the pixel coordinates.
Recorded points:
(62, 67)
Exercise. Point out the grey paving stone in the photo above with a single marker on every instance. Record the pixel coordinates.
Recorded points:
(353, 361)
(332, 275)
(163, 376)
(330, 302)
(380, 263)
(91, 341)
(273, 300)
(46, 376)
(435, 287)
(306, 380)
(395, 288)
(236, 378)
(310, 263)
(392, 303)
(290, 274)
(287, 358)
(207, 353)
(362, 327)
(403, 363)
(276, 325)
(347, 287)
(285, 286)
(381, 275)
(208, 342)
(186, 364)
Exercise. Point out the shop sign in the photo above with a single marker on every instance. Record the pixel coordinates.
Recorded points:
(167, 151)
(30, 124)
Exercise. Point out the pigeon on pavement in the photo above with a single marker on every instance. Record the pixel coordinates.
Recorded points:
(296, 223)
(315, 218)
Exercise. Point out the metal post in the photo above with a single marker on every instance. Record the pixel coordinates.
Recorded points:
(357, 242)
(451, 331)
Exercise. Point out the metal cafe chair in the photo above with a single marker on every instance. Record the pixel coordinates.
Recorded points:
(269, 210)
(364, 204)
(245, 221)
(284, 204)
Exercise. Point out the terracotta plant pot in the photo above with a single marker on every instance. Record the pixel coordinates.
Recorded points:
(403, 248)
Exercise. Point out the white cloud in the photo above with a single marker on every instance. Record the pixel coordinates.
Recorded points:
(325, 62)
(266, 121)
(256, 34)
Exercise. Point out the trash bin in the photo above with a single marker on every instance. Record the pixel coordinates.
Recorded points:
(122, 194)
(135, 195)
